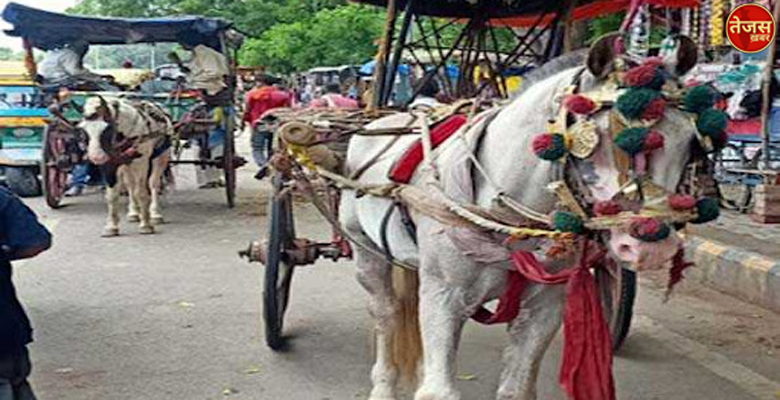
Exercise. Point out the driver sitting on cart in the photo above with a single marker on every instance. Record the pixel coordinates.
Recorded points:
(207, 71)
(65, 67)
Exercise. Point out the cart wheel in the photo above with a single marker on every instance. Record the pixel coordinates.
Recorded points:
(55, 180)
(229, 165)
(278, 268)
(617, 287)
(735, 190)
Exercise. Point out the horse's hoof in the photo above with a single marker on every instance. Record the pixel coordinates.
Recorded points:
(158, 220)
(133, 218)
(110, 232)
(146, 230)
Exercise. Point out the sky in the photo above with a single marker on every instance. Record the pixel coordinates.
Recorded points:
(51, 5)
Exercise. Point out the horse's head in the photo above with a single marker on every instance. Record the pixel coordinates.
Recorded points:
(99, 123)
(644, 134)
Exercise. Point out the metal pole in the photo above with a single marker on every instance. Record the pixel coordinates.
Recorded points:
(381, 57)
(398, 52)
(766, 104)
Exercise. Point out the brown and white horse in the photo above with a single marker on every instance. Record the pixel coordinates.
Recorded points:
(130, 142)
(453, 284)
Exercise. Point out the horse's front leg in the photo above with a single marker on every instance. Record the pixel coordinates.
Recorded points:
(112, 220)
(375, 276)
(530, 336)
(451, 289)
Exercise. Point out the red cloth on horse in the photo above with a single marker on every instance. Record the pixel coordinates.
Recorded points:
(404, 167)
(586, 368)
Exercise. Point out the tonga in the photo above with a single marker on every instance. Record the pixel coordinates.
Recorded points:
(63, 144)
(532, 32)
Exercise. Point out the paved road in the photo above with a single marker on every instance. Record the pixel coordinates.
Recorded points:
(176, 316)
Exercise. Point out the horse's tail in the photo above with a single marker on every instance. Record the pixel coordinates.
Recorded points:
(407, 349)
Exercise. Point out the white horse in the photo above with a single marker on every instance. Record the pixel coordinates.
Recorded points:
(453, 284)
(130, 142)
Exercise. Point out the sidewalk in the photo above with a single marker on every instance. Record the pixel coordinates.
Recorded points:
(738, 256)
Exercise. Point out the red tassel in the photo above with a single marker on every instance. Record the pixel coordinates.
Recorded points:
(655, 110)
(679, 265)
(586, 368)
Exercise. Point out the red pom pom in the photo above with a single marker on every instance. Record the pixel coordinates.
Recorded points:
(542, 143)
(579, 104)
(655, 110)
(653, 141)
(682, 202)
(606, 208)
(640, 76)
(649, 229)
(654, 62)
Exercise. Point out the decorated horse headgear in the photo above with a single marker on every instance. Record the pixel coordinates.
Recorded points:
(637, 99)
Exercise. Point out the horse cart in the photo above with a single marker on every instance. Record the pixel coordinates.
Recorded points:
(493, 36)
(195, 117)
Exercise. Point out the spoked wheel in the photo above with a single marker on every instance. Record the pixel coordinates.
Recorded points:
(735, 191)
(55, 179)
(229, 163)
(617, 287)
(279, 268)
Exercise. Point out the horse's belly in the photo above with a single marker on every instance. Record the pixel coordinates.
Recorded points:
(368, 212)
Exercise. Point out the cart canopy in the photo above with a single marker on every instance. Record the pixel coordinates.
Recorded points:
(47, 30)
(520, 12)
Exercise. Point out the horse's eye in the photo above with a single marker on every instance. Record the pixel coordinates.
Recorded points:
(92, 117)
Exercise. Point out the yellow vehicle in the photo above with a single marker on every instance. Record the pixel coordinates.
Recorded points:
(22, 124)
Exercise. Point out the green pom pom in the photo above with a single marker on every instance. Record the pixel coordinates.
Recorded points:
(632, 104)
(712, 123)
(707, 209)
(565, 221)
(632, 140)
(699, 98)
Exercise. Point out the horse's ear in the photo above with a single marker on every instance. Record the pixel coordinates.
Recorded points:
(687, 55)
(103, 104)
(601, 58)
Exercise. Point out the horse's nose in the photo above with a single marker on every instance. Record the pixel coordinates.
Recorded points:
(98, 159)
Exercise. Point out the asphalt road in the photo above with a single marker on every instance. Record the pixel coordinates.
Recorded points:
(177, 316)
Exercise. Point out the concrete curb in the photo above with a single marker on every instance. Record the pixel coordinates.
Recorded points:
(750, 276)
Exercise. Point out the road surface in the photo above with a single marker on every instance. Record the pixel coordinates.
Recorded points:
(177, 316)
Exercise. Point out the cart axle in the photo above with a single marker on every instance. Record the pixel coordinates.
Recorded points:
(302, 252)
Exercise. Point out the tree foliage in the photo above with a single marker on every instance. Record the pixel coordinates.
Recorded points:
(285, 35)
(342, 35)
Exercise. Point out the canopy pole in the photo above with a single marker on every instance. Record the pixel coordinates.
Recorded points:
(766, 103)
(29, 59)
(382, 55)
(398, 52)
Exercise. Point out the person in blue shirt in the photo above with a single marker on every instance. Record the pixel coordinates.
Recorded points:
(21, 237)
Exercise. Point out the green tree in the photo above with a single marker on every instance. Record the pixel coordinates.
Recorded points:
(7, 54)
(341, 35)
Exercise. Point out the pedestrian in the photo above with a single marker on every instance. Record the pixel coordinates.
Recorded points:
(261, 99)
(333, 98)
(21, 236)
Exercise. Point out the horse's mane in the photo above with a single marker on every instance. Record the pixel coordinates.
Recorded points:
(553, 67)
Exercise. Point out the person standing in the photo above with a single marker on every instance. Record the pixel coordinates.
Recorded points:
(21, 237)
(261, 99)
(334, 99)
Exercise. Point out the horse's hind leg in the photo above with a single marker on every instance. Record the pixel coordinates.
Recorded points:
(375, 275)
(159, 165)
(138, 185)
(530, 336)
